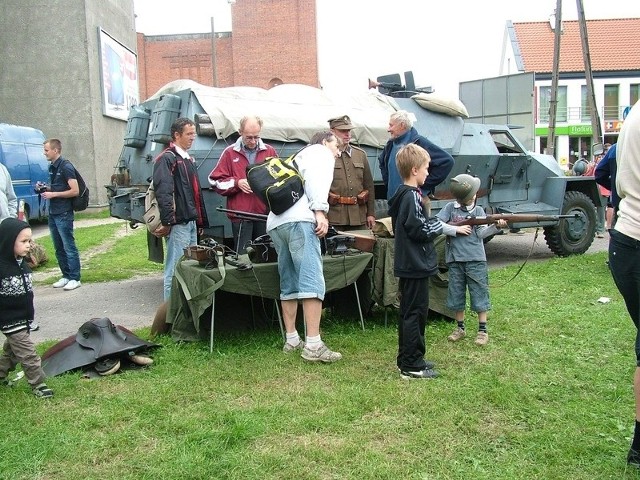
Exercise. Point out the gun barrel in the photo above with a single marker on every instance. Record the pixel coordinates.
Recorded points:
(512, 218)
(256, 217)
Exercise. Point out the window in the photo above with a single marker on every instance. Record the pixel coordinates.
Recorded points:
(634, 93)
(585, 113)
(545, 103)
(611, 103)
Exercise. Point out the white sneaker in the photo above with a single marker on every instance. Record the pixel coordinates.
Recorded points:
(61, 283)
(72, 285)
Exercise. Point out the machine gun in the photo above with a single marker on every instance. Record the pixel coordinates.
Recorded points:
(511, 218)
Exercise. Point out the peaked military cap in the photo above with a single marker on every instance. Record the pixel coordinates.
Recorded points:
(341, 123)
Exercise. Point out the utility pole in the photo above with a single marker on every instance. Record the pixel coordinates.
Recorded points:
(214, 60)
(596, 126)
(553, 101)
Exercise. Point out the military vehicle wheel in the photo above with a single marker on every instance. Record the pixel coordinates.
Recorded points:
(572, 236)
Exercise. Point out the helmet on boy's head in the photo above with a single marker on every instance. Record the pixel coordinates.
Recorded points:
(463, 187)
(580, 167)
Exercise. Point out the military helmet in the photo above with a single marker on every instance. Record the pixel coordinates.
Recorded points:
(580, 167)
(463, 187)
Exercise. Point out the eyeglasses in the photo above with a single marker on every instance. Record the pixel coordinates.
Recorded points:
(252, 137)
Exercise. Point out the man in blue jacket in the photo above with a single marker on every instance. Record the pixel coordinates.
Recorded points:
(605, 175)
(402, 133)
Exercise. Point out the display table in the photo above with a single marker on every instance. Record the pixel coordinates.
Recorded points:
(385, 284)
(194, 286)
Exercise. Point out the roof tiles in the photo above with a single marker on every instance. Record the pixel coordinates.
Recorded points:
(614, 45)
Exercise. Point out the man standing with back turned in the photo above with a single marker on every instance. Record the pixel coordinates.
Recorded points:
(63, 186)
(182, 212)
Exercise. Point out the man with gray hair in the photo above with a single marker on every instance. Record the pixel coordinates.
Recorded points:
(402, 133)
(229, 179)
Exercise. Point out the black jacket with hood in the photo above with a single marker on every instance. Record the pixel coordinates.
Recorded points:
(16, 288)
(414, 253)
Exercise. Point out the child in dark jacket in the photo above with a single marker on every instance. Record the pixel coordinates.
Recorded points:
(415, 260)
(16, 307)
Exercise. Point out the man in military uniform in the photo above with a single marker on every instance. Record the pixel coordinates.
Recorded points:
(351, 198)
(351, 207)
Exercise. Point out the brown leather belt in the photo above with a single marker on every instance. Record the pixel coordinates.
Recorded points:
(348, 200)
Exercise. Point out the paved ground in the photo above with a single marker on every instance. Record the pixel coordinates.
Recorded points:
(133, 303)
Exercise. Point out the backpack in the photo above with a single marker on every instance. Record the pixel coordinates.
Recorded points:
(81, 202)
(151, 215)
(277, 182)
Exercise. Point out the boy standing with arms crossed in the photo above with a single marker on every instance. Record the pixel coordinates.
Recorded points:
(415, 260)
(466, 257)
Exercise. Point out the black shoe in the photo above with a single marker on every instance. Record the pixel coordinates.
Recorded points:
(633, 458)
(428, 365)
(426, 373)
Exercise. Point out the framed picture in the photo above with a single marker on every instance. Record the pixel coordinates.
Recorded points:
(119, 77)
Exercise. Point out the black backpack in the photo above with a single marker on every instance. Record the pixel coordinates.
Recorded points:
(277, 182)
(81, 202)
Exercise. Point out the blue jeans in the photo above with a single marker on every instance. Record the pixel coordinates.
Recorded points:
(181, 236)
(624, 262)
(475, 277)
(299, 261)
(64, 243)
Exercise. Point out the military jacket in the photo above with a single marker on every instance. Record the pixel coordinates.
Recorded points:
(351, 175)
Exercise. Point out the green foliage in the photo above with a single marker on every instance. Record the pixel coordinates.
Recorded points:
(114, 252)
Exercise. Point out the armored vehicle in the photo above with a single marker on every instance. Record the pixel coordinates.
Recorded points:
(513, 180)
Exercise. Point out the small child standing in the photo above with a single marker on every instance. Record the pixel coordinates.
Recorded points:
(16, 307)
(466, 257)
(415, 260)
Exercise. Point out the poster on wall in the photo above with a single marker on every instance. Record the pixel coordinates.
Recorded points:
(119, 77)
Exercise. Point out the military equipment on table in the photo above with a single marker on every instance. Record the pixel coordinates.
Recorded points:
(513, 179)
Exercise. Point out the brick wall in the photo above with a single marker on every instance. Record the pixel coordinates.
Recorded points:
(272, 41)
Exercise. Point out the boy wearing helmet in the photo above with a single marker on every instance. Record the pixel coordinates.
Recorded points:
(466, 258)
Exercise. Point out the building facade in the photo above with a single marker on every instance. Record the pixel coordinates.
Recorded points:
(273, 42)
(614, 50)
(52, 77)
(55, 72)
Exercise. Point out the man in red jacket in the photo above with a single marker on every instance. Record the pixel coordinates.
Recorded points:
(229, 178)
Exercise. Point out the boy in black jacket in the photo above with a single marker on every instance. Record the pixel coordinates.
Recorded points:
(16, 307)
(415, 260)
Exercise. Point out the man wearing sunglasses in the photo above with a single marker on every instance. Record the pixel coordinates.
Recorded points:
(229, 178)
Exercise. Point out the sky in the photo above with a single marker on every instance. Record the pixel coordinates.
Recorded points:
(443, 43)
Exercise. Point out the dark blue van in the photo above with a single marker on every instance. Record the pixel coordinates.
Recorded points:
(21, 151)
